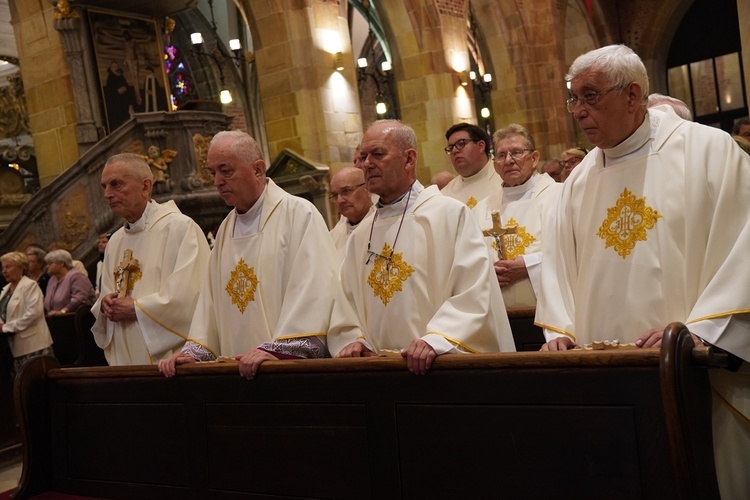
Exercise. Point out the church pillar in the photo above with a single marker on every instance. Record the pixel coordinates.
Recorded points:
(428, 45)
(309, 106)
(46, 79)
(527, 47)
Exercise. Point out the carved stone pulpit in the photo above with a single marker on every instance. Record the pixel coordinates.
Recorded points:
(302, 177)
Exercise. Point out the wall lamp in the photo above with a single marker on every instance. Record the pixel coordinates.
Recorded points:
(338, 61)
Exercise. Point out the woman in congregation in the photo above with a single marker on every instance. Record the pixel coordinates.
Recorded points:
(67, 289)
(22, 312)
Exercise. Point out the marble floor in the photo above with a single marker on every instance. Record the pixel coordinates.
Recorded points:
(9, 476)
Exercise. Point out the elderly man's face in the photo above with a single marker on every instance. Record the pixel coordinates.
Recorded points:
(388, 167)
(608, 122)
(467, 156)
(34, 264)
(127, 196)
(240, 181)
(569, 162)
(349, 193)
(514, 162)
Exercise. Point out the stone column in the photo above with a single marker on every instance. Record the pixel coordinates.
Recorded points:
(47, 81)
(308, 106)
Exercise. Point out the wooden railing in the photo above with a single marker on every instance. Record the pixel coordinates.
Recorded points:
(578, 424)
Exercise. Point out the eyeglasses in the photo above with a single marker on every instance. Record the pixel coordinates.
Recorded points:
(459, 145)
(590, 98)
(516, 154)
(572, 162)
(345, 192)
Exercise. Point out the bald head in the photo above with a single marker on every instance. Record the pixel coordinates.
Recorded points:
(389, 158)
(441, 179)
(350, 194)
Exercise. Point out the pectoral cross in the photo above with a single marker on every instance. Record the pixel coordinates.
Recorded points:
(497, 231)
(127, 265)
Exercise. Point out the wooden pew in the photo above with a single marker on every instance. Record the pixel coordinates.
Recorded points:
(10, 439)
(581, 424)
(526, 335)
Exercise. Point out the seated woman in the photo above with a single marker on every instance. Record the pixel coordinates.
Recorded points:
(22, 312)
(67, 289)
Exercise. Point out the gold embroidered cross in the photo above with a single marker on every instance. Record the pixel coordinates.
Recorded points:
(497, 231)
(127, 266)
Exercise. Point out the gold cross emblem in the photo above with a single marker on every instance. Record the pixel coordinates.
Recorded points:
(497, 231)
(128, 272)
(388, 274)
(516, 243)
(242, 285)
(627, 223)
(471, 202)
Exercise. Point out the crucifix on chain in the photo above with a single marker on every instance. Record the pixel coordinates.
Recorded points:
(126, 266)
(497, 231)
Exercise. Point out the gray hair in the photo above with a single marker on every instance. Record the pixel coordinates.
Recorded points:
(60, 257)
(244, 147)
(38, 252)
(620, 64)
(403, 134)
(514, 129)
(679, 106)
(136, 165)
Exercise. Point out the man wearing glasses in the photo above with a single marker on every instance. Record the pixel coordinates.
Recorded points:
(653, 227)
(469, 151)
(523, 207)
(350, 195)
(416, 280)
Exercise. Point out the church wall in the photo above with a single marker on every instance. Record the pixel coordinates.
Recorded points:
(309, 107)
(47, 83)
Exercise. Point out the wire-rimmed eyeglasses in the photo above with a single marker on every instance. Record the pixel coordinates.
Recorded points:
(516, 154)
(590, 98)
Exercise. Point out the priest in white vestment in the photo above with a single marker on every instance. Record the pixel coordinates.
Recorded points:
(416, 278)
(654, 227)
(350, 195)
(469, 151)
(524, 208)
(144, 308)
(270, 284)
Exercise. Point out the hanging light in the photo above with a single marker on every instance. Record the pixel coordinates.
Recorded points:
(196, 38)
(380, 106)
(225, 96)
(362, 62)
(386, 66)
(485, 112)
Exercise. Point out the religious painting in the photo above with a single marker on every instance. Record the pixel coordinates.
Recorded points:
(129, 62)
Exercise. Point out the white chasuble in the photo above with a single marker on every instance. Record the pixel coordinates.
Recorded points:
(472, 190)
(527, 220)
(276, 284)
(657, 234)
(172, 255)
(427, 277)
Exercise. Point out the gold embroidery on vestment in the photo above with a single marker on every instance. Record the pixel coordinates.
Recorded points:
(627, 223)
(516, 243)
(471, 202)
(242, 285)
(388, 273)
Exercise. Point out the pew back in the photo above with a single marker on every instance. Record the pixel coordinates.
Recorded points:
(517, 425)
